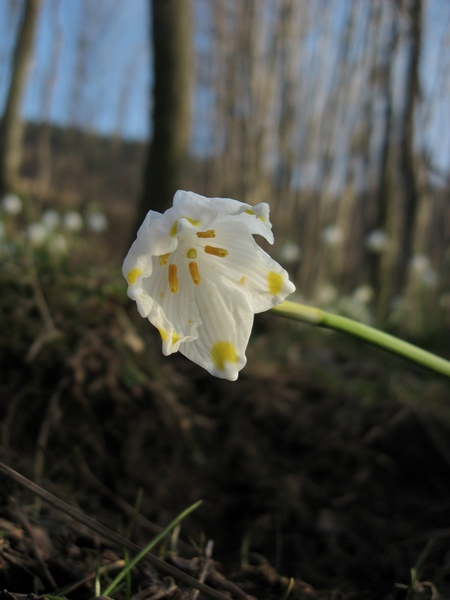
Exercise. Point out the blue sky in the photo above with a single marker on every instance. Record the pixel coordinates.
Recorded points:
(114, 67)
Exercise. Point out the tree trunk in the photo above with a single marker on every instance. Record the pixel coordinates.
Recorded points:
(399, 182)
(11, 130)
(171, 31)
(407, 160)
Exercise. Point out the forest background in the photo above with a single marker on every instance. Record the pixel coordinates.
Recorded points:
(335, 113)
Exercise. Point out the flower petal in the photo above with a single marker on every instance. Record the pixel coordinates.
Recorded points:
(208, 209)
(198, 275)
(247, 267)
(227, 321)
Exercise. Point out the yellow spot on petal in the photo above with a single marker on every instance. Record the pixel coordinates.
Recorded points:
(275, 282)
(209, 233)
(249, 212)
(195, 275)
(223, 352)
(163, 259)
(242, 280)
(173, 278)
(133, 275)
(220, 252)
(191, 253)
(173, 229)
(163, 333)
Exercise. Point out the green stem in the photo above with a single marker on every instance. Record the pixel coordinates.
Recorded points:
(316, 316)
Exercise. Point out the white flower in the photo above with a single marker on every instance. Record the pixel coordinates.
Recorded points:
(73, 221)
(12, 204)
(37, 233)
(377, 241)
(97, 222)
(51, 219)
(290, 252)
(331, 236)
(327, 295)
(363, 294)
(199, 276)
(57, 244)
(419, 263)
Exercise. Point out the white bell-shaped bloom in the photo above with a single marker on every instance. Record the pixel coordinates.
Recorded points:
(51, 219)
(73, 221)
(377, 241)
(97, 222)
(198, 275)
(11, 204)
(332, 236)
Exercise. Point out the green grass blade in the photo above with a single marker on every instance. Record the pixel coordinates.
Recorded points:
(113, 585)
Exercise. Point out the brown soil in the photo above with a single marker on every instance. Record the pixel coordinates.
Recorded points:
(324, 470)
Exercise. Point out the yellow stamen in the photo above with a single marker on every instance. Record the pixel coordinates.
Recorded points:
(209, 233)
(275, 282)
(195, 275)
(191, 253)
(133, 275)
(220, 252)
(173, 279)
(223, 352)
(163, 259)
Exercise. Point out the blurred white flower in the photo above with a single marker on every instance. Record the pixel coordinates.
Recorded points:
(37, 233)
(332, 236)
(51, 219)
(377, 241)
(73, 221)
(419, 262)
(327, 295)
(97, 222)
(421, 266)
(353, 308)
(11, 204)
(57, 244)
(290, 252)
(198, 275)
(363, 294)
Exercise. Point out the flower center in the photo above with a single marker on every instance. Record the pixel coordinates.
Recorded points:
(189, 246)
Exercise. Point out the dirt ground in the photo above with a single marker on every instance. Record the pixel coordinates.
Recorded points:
(324, 470)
